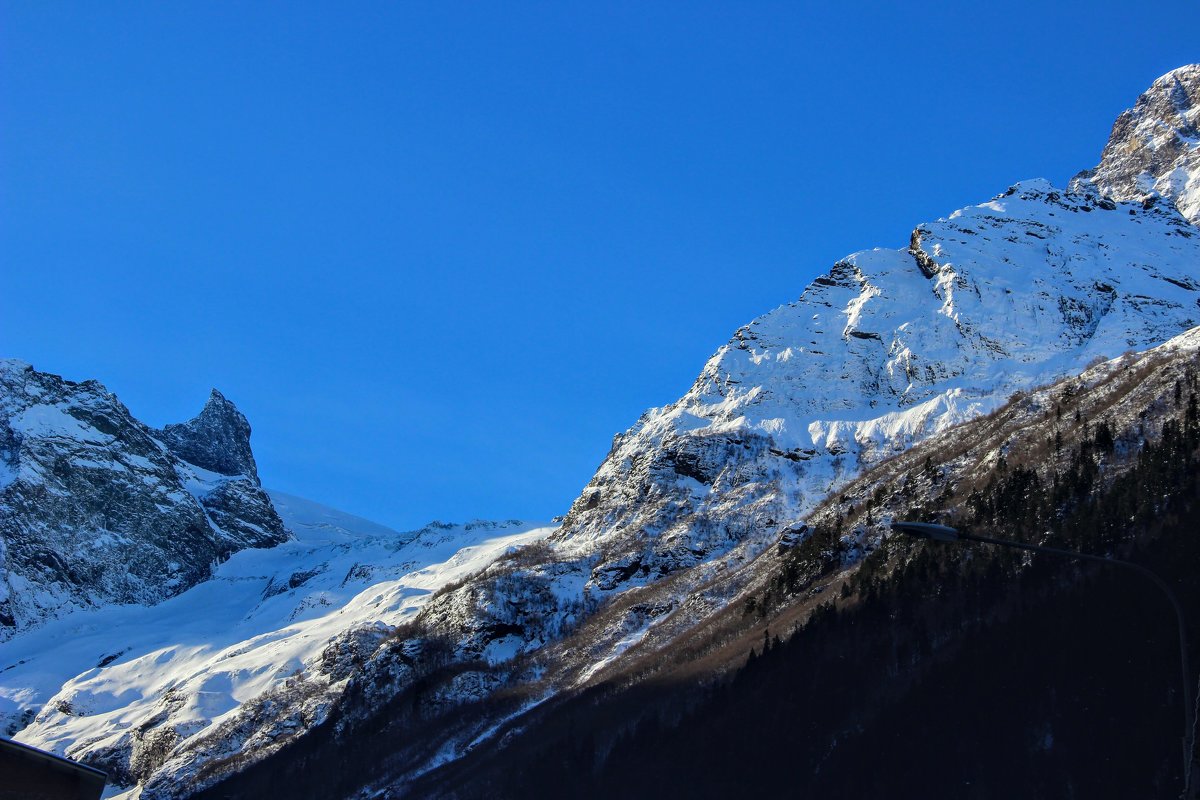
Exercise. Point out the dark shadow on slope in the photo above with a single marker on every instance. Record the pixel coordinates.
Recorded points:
(952, 672)
(939, 671)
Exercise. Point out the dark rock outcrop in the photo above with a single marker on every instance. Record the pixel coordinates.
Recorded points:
(218, 439)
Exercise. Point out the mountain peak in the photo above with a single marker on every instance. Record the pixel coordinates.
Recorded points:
(1184, 76)
(14, 365)
(96, 507)
(219, 406)
(217, 439)
(1154, 147)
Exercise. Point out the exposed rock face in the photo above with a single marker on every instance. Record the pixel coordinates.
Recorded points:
(1155, 146)
(95, 508)
(217, 440)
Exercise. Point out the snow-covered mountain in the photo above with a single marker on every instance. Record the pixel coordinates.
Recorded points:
(98, 508)
(357, 629)
(891, 346)
(885, 350)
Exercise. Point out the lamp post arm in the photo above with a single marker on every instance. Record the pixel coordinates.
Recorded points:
(1189, 711)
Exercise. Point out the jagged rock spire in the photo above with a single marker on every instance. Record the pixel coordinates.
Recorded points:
(1154, 147)
(217, 439)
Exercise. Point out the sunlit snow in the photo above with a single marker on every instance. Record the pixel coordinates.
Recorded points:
(92, 675)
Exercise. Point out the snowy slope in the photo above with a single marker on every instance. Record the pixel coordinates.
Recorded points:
(131, 686)
(889, 347)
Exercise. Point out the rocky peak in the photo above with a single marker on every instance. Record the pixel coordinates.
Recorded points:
(1155, 146)
(217, 439)
(98, 508)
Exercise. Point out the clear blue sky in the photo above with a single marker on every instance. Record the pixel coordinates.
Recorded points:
(440, 253)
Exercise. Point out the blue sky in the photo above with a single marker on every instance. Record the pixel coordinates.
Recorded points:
(440, 253)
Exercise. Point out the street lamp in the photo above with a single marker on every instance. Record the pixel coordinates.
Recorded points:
(944, 533)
